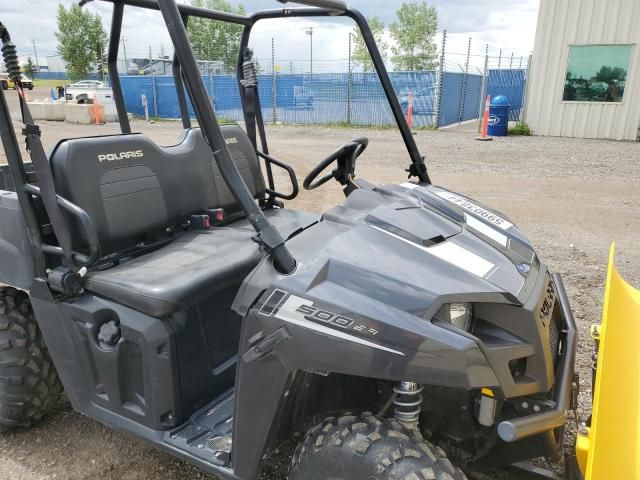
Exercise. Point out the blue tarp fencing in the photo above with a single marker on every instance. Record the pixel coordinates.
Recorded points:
(327, 98)
(512, 84)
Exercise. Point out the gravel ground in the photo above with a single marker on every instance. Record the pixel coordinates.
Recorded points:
(571, 197)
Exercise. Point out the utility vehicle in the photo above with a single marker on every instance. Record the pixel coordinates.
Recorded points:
(168, 289)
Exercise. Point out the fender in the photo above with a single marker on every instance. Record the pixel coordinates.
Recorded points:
(285, 333)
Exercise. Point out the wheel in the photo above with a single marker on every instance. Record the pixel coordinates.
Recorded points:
(366, 448)
(5, 85)
(31, 87)
(29, 383)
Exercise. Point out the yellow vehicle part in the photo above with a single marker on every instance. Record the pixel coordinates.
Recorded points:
(610, 449)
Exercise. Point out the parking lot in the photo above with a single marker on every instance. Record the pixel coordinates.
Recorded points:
(571, 197)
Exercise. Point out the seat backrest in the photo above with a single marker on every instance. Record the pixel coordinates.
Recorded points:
(248, 163)
(130, 186)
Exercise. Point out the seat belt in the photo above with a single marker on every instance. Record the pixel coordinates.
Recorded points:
(31, 131)
(253, 114)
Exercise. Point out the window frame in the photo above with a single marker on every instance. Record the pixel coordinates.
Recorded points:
(623, 100)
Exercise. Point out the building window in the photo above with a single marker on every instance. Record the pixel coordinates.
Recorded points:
(596, 73)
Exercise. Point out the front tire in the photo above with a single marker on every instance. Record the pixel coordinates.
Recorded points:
(29, 383)
(366, 448)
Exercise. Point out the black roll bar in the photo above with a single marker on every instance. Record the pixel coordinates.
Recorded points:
(112, 60)
(183, 9)
(19, 177)
(417, 167)
(335, 6)
(177, 78)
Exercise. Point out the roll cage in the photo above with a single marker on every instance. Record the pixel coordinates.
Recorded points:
(187, 77)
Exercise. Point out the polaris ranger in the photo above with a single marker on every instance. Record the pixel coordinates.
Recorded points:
(411, 331)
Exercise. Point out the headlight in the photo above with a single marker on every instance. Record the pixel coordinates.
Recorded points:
(457, 314)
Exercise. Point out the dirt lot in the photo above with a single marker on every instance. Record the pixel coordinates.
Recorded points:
(571, 197)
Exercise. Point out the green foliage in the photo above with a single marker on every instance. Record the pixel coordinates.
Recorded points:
(520, 129)
(414, 34)
(360, 54)
(608, 74)
(30, 69)
(81, 39)
(102, 65)
(214, 40)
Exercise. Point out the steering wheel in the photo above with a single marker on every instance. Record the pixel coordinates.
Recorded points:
(346, 157)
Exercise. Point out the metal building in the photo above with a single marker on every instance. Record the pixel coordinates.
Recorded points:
(585, 77)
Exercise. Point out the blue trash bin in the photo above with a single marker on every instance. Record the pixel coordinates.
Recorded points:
(499, 117)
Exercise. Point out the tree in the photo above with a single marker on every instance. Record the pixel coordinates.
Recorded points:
(214, 40)
(30, 68)
(81, 39)
(360, 54)
(414, 34)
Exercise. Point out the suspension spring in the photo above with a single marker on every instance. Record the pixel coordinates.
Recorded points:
(408, 403)
(10, 55)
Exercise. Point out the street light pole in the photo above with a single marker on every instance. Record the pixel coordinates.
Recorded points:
(309, 32)
(35, 51)
(124, 49)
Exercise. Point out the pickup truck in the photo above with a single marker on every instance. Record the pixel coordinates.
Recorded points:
(6, 83)
(83, 91)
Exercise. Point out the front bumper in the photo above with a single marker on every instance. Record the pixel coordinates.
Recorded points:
(516, 429)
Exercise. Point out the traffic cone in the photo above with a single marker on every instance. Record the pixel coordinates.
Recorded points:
(410, 110)
(96, 109)
(485, 122)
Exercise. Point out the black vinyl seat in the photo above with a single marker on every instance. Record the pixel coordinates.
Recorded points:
(131, 188)
(180, 274)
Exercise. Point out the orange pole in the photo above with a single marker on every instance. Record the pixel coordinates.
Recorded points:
(96, 109)
(410, 110)
(485, 120)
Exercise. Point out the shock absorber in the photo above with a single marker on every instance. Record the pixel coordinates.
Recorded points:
(408, 403)
(10, 55)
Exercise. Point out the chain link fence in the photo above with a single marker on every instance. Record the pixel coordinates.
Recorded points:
(451, 94)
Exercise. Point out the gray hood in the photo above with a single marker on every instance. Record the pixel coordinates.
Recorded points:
(396, 243)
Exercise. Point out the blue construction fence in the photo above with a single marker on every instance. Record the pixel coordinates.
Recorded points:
(334, 98)
(512, 84)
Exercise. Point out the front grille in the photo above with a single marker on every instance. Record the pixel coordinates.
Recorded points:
(555, 332)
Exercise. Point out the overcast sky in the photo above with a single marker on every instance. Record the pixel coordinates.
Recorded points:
(509, 24)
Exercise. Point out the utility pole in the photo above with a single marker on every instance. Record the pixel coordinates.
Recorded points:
(124, 50)
(309, 32)
(349, 84)
(35, 52)
(274, 113)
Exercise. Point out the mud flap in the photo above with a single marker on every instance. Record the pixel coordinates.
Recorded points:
(610, 448)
